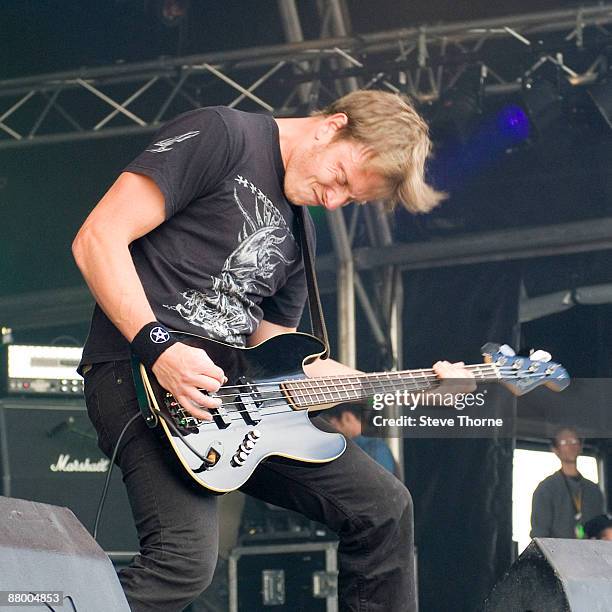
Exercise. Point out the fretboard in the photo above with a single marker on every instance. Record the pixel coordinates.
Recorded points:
(309, 392)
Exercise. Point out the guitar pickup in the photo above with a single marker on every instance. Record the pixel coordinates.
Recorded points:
(221, 417)
(250, 410)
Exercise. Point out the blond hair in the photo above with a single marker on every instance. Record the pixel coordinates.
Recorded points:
(397, 140)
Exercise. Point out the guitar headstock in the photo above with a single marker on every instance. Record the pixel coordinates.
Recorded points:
(523, 374)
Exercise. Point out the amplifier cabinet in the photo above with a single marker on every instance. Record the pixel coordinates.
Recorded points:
(284, 577)
(49, 453)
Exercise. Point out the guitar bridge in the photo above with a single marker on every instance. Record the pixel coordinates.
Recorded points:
(182, 419)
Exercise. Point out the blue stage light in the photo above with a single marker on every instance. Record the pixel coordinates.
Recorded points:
(513, 123)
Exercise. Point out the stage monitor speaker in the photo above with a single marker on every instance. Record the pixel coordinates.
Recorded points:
(49, 453)
(557, 575)
(46, 553)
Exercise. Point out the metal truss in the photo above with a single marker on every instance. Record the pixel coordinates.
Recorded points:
(72, 305)
(500, 245)
(425, 62)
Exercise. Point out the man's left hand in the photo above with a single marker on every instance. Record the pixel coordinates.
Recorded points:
(456, 377)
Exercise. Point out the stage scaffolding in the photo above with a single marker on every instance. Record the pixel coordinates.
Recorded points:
(425, 62)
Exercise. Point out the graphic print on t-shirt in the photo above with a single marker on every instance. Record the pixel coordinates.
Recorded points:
(164, 145)
(224, 311)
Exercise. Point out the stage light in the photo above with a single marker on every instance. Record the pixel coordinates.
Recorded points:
(456, 116)
(513, 124)
(544, 104)
(459, 111)
(171, 12)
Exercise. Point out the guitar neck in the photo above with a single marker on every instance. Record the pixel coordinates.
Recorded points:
(310, 392)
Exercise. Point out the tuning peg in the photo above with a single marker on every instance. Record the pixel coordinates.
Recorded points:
(539, 355)
(506, 351)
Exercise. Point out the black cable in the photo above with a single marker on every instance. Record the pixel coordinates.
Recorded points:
(175, 429)
(114, 456)
(108, 476)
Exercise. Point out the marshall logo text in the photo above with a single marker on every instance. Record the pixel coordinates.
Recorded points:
(65, 463)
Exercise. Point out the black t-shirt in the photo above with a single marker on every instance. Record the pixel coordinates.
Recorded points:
(227, 255)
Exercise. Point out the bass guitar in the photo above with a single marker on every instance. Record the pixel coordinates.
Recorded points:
(267, 399)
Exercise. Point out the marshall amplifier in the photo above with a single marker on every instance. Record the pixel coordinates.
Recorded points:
(40, 370)
(49, 453)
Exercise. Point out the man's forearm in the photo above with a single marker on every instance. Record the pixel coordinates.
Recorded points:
(109, 272)
(329, 367)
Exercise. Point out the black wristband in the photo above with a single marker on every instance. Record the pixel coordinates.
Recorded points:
(150, 342)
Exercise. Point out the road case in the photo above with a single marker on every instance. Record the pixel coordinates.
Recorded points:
(300, 577)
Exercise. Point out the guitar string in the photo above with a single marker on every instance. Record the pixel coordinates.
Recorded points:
(268, 414)
(334, 385)
(406, 373)
(320, 395)
(319, 390)
(395, 376)
(425, 375)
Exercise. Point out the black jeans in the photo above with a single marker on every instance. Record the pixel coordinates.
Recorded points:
(176, 519)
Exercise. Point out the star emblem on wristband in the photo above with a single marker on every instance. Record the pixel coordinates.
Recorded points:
(159, 335)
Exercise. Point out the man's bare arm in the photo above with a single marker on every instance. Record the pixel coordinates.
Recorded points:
(131, 208)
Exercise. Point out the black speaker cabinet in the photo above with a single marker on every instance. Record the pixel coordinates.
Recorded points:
(556, 575)
(49, 561)
(49, 453)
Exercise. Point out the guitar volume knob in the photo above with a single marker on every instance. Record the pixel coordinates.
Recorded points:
(247, 446)
(239, 458)
(253, 435)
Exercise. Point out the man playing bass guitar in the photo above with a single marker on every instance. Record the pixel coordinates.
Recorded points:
(198, 235)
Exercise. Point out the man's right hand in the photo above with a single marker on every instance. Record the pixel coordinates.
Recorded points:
(185, 371)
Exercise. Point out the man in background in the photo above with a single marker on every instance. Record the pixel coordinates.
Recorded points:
(346, 418)
(566, 500)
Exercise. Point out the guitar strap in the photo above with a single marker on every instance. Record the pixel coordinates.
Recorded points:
(317, 322)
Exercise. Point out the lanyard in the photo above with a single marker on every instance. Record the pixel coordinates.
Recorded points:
(576, 499)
